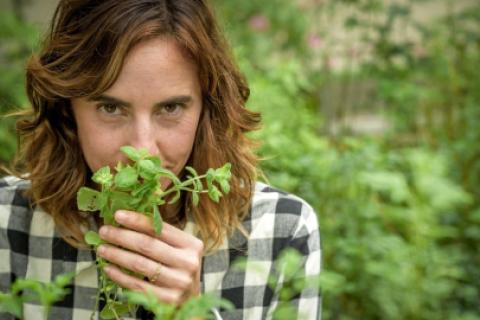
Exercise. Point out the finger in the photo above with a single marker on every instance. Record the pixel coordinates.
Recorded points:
(169, 234)
(165, 276)
(152, 248)
(166, 295)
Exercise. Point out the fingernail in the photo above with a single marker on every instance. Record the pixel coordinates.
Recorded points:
(103, 231)
(121, 216)
(101, 250)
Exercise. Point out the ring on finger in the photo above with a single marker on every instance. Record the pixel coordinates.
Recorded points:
(156, 274)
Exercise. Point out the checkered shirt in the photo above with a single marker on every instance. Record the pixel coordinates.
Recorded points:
(31, 248)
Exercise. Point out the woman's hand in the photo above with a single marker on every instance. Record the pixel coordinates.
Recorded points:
(172, 260)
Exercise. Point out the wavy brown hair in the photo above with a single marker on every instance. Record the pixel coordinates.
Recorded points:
(82, 55)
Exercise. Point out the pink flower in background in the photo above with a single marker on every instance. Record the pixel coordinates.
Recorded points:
(314, 41)
(259, 23)
(331, 63)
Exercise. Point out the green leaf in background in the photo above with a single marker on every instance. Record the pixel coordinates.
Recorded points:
(64, 279)
(200, 306)
(114, 311)
(11, 303)
(290, 262)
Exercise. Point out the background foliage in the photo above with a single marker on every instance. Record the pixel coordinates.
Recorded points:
(17, 40)
(399, 208)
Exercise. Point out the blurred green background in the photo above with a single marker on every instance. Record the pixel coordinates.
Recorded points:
(371, 112)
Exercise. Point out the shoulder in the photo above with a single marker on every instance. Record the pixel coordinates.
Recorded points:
(15, 207)
(286, 212)
(12, 191)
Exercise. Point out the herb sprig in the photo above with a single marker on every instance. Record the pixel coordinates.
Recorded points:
(137, 187)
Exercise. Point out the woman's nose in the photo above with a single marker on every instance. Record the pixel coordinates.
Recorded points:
(144, 137)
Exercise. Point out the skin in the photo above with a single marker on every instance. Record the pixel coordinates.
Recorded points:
(155, 104)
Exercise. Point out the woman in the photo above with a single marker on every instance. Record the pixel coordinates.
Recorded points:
(153, 74)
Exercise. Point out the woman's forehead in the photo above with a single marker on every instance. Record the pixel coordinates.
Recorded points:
(157, 67)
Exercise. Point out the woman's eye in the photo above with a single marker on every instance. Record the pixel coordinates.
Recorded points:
(109, 108)
(171, 109)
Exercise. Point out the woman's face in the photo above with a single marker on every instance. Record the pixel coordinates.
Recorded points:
(154, 104)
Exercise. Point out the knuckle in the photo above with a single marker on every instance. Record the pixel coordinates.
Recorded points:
(137, 285)
(175, 297)
(186, 282)
(146, 245)
(192, 263)
(140, 266)
(199, 246)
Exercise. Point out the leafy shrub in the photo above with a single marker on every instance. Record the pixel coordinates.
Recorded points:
(398, 219)
(17, 40)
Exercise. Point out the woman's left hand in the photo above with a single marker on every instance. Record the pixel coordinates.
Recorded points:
(171, 260)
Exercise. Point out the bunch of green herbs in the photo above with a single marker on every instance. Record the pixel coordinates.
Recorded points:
(137, 187)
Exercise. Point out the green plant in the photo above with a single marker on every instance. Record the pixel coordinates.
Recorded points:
(197, 307)
(17, 39)
(24, 290)
(137, 187)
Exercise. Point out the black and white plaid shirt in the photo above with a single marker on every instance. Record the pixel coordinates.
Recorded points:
(31, 248)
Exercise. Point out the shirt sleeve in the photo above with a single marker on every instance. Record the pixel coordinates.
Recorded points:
(306, 240)
(6, 200)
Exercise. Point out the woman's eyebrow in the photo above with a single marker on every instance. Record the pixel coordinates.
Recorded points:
(181, 99)
(109, 99)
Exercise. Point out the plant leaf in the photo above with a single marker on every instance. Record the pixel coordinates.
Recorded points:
(114, 310)
(12, 304)
(195, 198)
(192, 171)
(64, 279)
(103, 176)
(157, 220)
(210, 177)
(198, 185)
(88, 199)
(226, 170)
(92, 238)
(132, 153)
(200, 306)
(225, 186)
(147, 169)
(120, 200)
(126, 178)
(175, 198)
(214, 193)
(156, 161)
